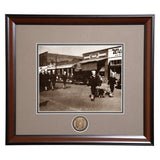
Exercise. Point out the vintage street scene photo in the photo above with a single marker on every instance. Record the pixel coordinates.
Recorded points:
(79, 78)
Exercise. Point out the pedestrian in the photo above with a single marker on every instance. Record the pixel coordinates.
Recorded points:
(49, 80)
(112, 82)
(94, 81)
(53, 79)
(42, 85)
(45, 80)
(40, 82)
(64, 78)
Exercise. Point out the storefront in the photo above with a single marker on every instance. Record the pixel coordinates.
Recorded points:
(115, 64)
(83, 68)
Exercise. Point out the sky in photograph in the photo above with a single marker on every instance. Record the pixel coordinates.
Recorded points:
(75, 50)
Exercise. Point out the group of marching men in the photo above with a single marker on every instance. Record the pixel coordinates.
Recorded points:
(48, 80)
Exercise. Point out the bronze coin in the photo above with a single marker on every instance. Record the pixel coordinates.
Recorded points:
(80, 123)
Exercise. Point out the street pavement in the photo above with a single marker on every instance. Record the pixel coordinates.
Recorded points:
(76, 98)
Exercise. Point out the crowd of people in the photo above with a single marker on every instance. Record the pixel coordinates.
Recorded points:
(98, 87)
(48, 80)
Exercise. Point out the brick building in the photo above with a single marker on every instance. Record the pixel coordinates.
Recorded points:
(46, 59)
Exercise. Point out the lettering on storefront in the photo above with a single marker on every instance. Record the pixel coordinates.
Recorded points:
(95, 55)
(115, 52)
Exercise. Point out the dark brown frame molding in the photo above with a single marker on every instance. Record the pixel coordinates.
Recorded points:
(146, 20)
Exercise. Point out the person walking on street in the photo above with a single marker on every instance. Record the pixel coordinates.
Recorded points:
(49, 80)
(42, 81)
(112, 82)
(93, 82)
(64, 77)
(53, 79)
(45, 79)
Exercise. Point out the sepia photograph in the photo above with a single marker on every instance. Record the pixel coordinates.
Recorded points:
(80, 78)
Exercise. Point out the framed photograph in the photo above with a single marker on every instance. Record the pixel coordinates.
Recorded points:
(72, 76)
(79, 79)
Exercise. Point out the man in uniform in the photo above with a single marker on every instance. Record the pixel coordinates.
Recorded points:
(42, 85)
(94, 81)
(45, 80)
(64, 77)
(53, 79)
(112, 82)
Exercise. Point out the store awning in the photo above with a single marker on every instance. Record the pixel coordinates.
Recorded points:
(65, 66)
(89, 66)
(93, 60)
(60, 66)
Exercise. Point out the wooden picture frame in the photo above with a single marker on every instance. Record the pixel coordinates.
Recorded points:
(148, 79)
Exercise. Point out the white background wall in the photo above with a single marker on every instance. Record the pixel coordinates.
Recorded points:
(79, 7)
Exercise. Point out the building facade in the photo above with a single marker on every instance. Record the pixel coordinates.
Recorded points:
(103, 61)
(58, 62)
(46, 59)
(115, 62)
